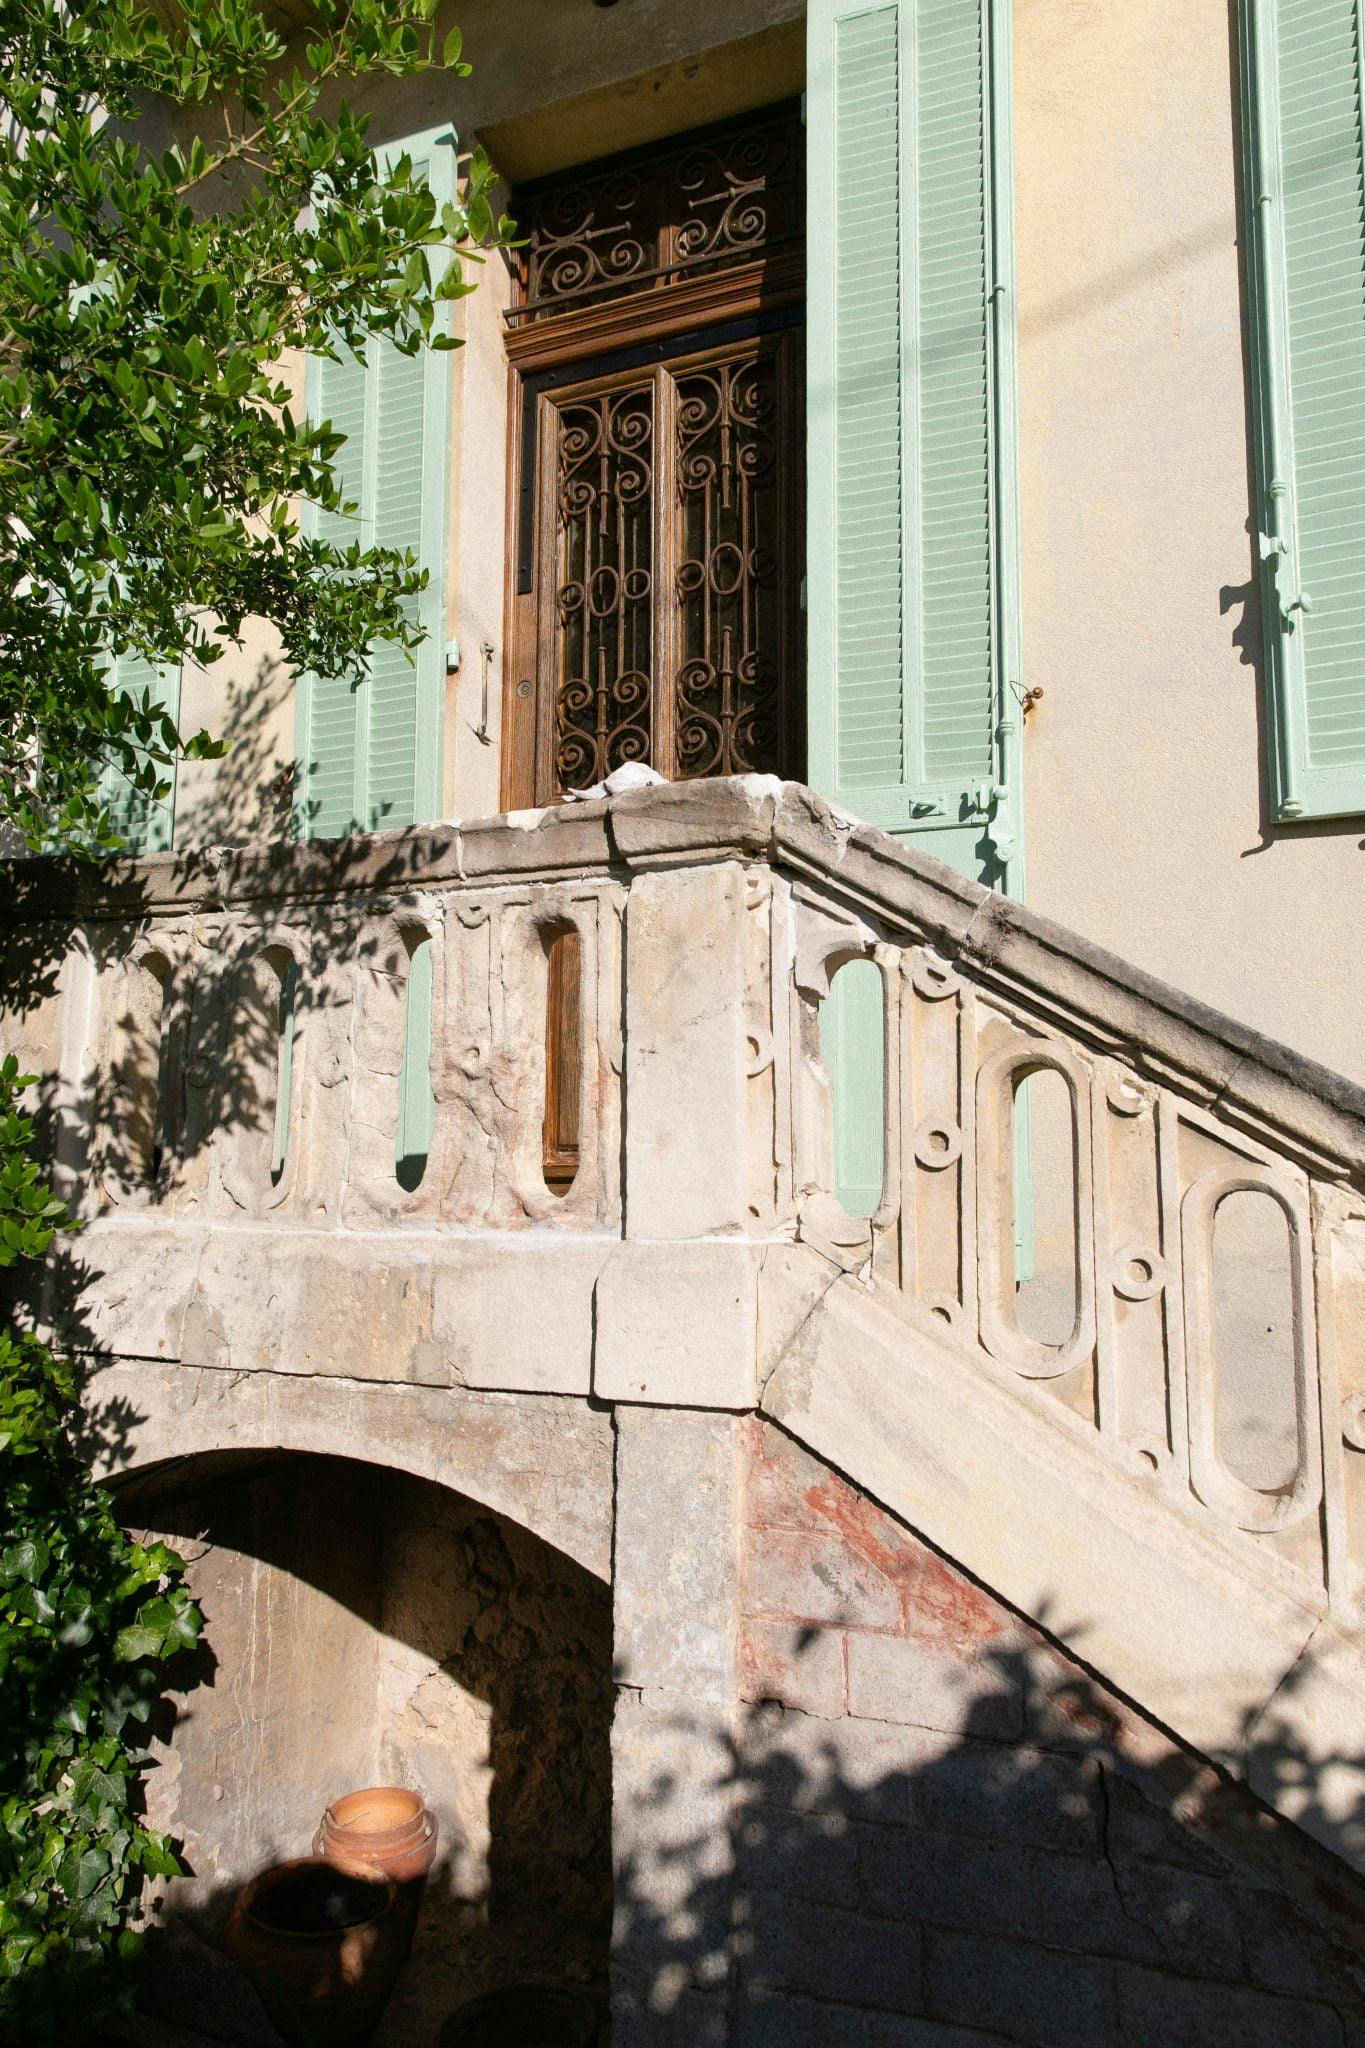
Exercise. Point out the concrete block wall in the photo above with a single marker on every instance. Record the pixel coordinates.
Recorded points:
(947, 1833)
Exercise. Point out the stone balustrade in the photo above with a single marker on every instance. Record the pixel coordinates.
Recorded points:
(227, 1033)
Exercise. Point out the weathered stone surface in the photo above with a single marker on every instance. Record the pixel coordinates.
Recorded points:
(795, 1664)
(677, 1478)
(543, 1462)
(1181, 2014)
(675, 1325)
(791, 1280)
(1028, 1994)
(1163, 1614)
(832, 1952)
(891, 1678)
(381, 1306)
(518, 1316)
(672, 1770)
(790, 1576)
(685, 1054)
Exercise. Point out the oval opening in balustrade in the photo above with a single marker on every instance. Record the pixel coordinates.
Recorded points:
(1256, 1423)
(562, 1139)
(416, 1097)
(1046, 1275)
(853, 1048)
(137, 1133)
(286, 972)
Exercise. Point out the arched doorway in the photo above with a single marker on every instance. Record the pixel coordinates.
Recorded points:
(368, 1625)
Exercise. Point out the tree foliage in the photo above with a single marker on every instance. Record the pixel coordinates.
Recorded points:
(87, 1618)
(184, 201)
(184, 205)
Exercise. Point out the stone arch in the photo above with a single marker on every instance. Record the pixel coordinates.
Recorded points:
(391, 1595)
(543, 1461)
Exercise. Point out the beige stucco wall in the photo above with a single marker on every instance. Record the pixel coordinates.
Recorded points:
(1147, 826)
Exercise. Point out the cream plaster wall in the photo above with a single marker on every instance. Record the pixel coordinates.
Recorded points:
(1146, 823)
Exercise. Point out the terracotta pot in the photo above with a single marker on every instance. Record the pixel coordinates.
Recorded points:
(383, 1828)
(525, 2016)
(322, 1947)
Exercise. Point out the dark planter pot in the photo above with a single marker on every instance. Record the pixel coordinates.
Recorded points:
(525, 2016)
(322, 1947)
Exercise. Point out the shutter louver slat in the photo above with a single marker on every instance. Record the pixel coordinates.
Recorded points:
(957, 694)
(399, 480)
(145, 824)
(330, 759)
(371, 756)
(909, 454)
(869, 651)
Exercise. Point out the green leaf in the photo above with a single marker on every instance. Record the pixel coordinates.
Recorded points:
(132, 1644)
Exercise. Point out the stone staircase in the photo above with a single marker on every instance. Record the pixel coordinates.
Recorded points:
(247, 1239)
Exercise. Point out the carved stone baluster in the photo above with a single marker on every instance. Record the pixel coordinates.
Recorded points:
(463, 1058)
(1339, 1267)
(1246, 1506)
(1132, 1255)
(381, 971)
(937, 1132)
(1013, 1059)
(262, 1053)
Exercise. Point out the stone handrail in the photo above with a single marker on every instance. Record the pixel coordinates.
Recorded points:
(701, 1223)
(1172, 1108)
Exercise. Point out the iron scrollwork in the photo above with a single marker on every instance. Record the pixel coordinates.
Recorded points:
(694, 207)
(729, 583)
(605, 592)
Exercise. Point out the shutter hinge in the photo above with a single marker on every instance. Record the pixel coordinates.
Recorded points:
(1274, 552)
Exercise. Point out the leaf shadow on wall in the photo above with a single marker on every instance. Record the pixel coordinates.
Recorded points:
(1024, 1878)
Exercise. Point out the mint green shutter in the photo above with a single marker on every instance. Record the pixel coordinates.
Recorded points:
(370, 757)
(1302, 72)
(913, 585)
(330, 709)
(913, 575)
(146, 824)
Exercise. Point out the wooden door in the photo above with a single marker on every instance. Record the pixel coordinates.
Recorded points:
(655, 611)
(667, 599)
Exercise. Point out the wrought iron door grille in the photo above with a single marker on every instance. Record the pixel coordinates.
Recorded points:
(716, 198)
(669, 589)
(658, 466)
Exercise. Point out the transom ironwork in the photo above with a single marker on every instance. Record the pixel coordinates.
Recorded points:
(642, 222)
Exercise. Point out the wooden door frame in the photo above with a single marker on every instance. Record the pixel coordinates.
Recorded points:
(753, 303)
